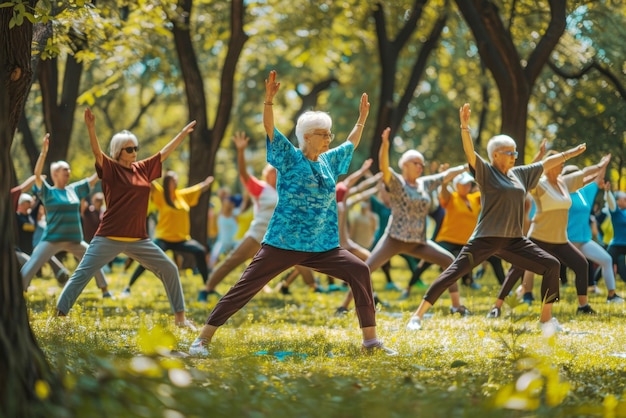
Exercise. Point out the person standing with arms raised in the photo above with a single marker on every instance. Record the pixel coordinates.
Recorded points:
(304, 227)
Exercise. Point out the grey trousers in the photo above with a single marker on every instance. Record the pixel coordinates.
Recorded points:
(102, 250)
(46, 249)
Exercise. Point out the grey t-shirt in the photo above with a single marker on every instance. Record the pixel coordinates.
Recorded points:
(502, 198)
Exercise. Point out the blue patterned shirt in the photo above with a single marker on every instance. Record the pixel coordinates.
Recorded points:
(305, 218)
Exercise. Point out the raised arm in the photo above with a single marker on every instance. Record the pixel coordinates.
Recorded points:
(444, 193)
(28, 183)
(354, 177)
(383, 156)
(171, 146)
(468, 143)
(452, 172)
(357, 131)
(542, 151)
(271, 88)
(241, 143)
(90, 121)
(41, 160)
(206, 183)
(93, 179)
(560, 158)
(608, 197)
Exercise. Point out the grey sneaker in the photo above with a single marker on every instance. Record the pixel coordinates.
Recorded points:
(614, 299)
(187, 324)
(495, 312)
(461, 310)
(414, 324)
(379, 348)
(199, 347)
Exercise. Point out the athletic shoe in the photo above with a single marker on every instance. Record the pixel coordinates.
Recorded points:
(480, 271)
(108, 295)
(284, 289)
(614, 299)
(318, 289)
(379, 348)
(421, 285)
(199, 347)
(392, 286)
(414, 324)
(585, 310)
(340, 311)
(495, 312)
(528, 298)
(62, 276)
(203, 295)
(404, 295)
(125, 293)
(377, 301)
(550, 327)
(461, 310)
(187, 324)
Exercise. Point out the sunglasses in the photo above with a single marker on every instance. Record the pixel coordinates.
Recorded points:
(509, 153)
(130, 150)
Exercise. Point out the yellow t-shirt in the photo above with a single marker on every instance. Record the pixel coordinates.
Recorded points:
(460, 219)
(174, 224)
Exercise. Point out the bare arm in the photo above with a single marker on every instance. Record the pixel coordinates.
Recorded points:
(383, 156)
(271, 88)
(41, 160)
(28, 183)
(241, 143)
(171, 146)
(608, 197)
(444, 193)
(542, 151)
(359, 197)
(468, 143)
(206, 183)
(452, 172)
(357, 131)
(90, 121)
(365, 183)
(560, 158)
(93, 179)
(354, 177)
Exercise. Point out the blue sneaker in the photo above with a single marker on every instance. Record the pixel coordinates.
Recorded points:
(203, 295)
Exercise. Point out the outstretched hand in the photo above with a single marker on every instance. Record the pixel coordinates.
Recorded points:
(271, 86)
(90, 118)
(364, 108)
(189, 128)
(46, 144)
(241, 140)
(464, 114)
(385, 136)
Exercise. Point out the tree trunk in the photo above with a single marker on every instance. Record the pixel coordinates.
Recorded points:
(390, 114)
(497, 50)
(205, 141)
(22, 363)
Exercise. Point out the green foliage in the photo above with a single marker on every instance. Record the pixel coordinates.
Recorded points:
(284, 356)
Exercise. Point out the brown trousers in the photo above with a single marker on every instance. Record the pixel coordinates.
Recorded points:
(270, 261)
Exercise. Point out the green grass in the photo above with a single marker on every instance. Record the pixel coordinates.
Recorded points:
(287, 356)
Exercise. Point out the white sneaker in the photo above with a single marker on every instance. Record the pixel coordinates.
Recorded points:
(415, 324)
(199, 347)
(550, 327)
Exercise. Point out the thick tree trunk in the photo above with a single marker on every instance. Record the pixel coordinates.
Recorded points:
(497, 50)
(205, 141)
(22, 363)
(390, 114)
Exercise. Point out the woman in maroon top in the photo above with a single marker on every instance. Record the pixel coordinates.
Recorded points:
(126, 187)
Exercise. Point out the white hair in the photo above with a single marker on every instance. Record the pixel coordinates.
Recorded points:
(499, 141)
(409, 155)
(57, 165)
(118, 141)
(309, 121)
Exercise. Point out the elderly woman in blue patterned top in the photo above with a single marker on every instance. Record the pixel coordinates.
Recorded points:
(304, 227)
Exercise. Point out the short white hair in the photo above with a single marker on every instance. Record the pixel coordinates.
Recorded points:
(118, 141)
(499, 141)
(309, 121)
(409, 155)
(55, 166)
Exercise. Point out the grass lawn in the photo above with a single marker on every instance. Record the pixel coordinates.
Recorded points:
(290, 356)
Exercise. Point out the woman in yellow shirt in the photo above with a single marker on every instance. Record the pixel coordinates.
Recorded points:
(173, 227)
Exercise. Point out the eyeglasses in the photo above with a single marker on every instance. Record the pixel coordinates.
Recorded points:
(509, 153)
(419, 163)
(130, 150)
(325, 136)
